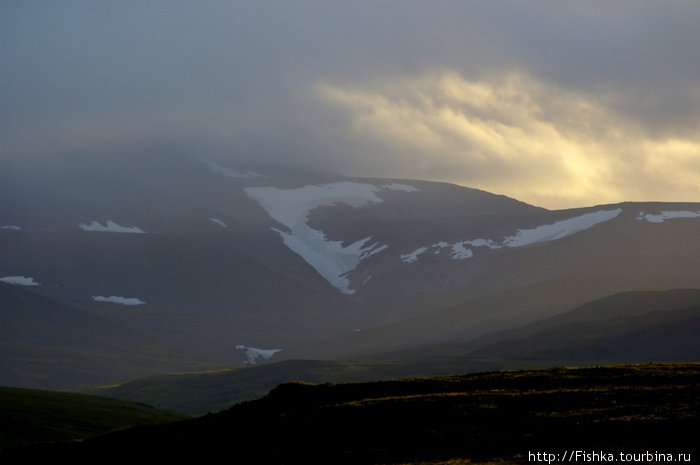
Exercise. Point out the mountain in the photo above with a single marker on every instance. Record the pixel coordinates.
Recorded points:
(173, 260)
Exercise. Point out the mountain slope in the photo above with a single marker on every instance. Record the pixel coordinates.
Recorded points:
(29, 416)
(630, 326)
(636, 326)
(633, 326)
(199, 254)
(47, 344)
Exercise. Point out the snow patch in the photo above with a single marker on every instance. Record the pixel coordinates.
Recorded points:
(667, 215)
(291, 208)
(253, 354)
(438, 246)
(218, 221)
(460, 252)
(413, 256)
(484, 243)
(400, 187)
(373, 251)
(11, 227)
(523, 237)
(20, 281)
(232, 173)
(560, 229)
(111, 226)
(119, 300)
(459, 249)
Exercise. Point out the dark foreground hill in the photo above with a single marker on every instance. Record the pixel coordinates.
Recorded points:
(29, 416)
(636, 409)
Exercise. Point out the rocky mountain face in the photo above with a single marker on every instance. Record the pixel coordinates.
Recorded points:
(196, 255)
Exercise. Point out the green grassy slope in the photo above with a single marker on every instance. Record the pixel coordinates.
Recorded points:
(480, 417)
(32, 416)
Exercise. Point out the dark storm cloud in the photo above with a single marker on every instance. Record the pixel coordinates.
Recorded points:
(334, 85)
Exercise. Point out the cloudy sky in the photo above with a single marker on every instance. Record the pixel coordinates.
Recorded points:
(559, 104)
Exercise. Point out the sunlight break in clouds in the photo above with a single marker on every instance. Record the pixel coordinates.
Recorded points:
(514, 135)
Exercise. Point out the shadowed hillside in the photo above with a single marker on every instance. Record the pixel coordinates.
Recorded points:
(486, 416)
(631, 327)
(29, 416)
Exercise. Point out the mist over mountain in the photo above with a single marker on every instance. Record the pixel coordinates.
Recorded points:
(556, 104)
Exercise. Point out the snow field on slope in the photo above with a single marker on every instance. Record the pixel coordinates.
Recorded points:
(218, 221)
(523, 237)
(560, 229)
(291, 208)
(19, 281)
(114, 299)
(111, 226)
(667, 215)
(224, 171)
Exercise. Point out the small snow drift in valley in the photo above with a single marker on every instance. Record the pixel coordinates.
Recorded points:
(10, 227)
(560, 229)
(523, 237)
(253, 354)
(111, 226)
(291, 208)
(218, 221)
(20, 281)
(667, 215)
(232, 173)
(119, 300)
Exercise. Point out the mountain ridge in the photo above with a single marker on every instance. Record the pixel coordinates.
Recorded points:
(213, 268)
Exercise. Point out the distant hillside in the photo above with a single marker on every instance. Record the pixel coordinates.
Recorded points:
(629, 326)
(621, 305)
(199, 393)
(29, 416)
(486, 416)
(45, 343)
(656, 336)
